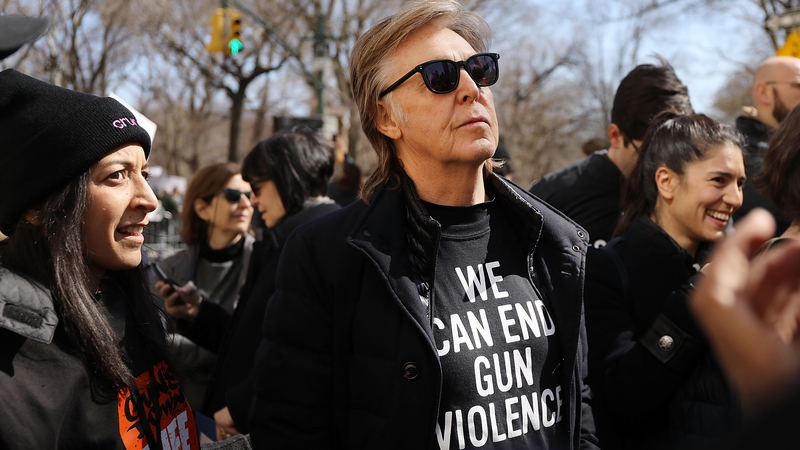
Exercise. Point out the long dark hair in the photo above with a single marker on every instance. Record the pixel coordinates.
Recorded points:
(298, 160)
(54, 254)
(673, 140)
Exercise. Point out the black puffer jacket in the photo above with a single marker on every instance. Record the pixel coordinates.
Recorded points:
(348, 359)
(51, 399)
(651, 370)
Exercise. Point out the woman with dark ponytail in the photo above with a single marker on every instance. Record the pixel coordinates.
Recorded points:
(83, 352)
(655, 381)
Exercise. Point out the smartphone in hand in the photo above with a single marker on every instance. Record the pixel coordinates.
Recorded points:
(172, 283)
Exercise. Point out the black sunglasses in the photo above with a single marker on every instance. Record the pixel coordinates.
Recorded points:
(254, 184)
(233, 195)
(441, 75)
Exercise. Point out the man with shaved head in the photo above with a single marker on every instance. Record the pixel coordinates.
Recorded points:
(776, 90)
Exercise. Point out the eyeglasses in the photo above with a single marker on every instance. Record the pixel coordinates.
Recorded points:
(254, 184)
(234, 195)
(793, 84)
(442, 75)
(626, 141)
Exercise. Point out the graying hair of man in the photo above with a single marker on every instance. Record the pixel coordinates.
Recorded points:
(369, 70)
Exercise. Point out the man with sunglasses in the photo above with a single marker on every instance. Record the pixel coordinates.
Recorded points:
(444, 309)
(588, 190)
(776, 90)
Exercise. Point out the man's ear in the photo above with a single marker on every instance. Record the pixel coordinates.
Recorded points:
(666, 182)
(762, 94)
(615, 136)
(201, 209)
(32, 216)
(386, 122)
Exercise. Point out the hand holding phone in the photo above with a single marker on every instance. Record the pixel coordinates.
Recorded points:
(172, 283)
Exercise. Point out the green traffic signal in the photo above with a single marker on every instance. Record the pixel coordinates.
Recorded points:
(235, 45)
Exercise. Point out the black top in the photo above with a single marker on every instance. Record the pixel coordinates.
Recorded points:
(496, 339)
(648, 359)
(757, 137)
(340, 195)
(235, 339)
(588, 192)
(348, 359)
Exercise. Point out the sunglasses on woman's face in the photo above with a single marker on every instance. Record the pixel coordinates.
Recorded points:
(441, 75)
(234, 195)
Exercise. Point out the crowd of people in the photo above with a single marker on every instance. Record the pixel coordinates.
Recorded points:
(622, 302)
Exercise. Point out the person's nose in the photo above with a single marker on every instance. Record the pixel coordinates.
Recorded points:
(734, 195)
(144, 197)
(467, 88)
(245, 201)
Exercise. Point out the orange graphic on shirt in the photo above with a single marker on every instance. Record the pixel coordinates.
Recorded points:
(168, 414)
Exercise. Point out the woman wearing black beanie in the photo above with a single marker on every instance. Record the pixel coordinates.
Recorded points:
(83, 359)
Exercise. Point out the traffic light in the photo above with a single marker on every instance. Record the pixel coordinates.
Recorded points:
(234, 37)
(219, 36)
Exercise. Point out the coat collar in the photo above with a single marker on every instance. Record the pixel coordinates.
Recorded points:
(399, 236)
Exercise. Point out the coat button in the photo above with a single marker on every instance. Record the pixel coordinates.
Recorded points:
(666, 343)
(410, 370)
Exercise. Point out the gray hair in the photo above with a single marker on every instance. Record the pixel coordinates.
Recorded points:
(369, 70)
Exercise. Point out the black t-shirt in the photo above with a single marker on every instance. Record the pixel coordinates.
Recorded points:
(495, 337)
(588, 192)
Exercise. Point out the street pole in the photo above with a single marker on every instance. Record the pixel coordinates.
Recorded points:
(321, 53)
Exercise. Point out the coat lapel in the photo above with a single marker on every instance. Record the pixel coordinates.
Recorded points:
(380, 234)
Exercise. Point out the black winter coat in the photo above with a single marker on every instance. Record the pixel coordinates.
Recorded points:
(235, 339)
(348, 359)
(655, 383)
(51, 399)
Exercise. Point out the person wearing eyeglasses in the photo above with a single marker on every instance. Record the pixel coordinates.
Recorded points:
(588, 190)
(288, 174)
(776, 90)
(215, 224)
(443, 309)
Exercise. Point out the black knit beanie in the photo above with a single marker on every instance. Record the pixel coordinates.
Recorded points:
(50, 135)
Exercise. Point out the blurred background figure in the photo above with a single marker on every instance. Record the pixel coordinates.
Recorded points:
(288, 173)
(594, 144)
(215, 225)
(502, 155)
(345, 186)
(779, 177)
(776, 90)
(656, 383)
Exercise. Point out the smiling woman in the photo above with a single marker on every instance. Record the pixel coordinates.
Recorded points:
(83, 354)
(657, 384)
